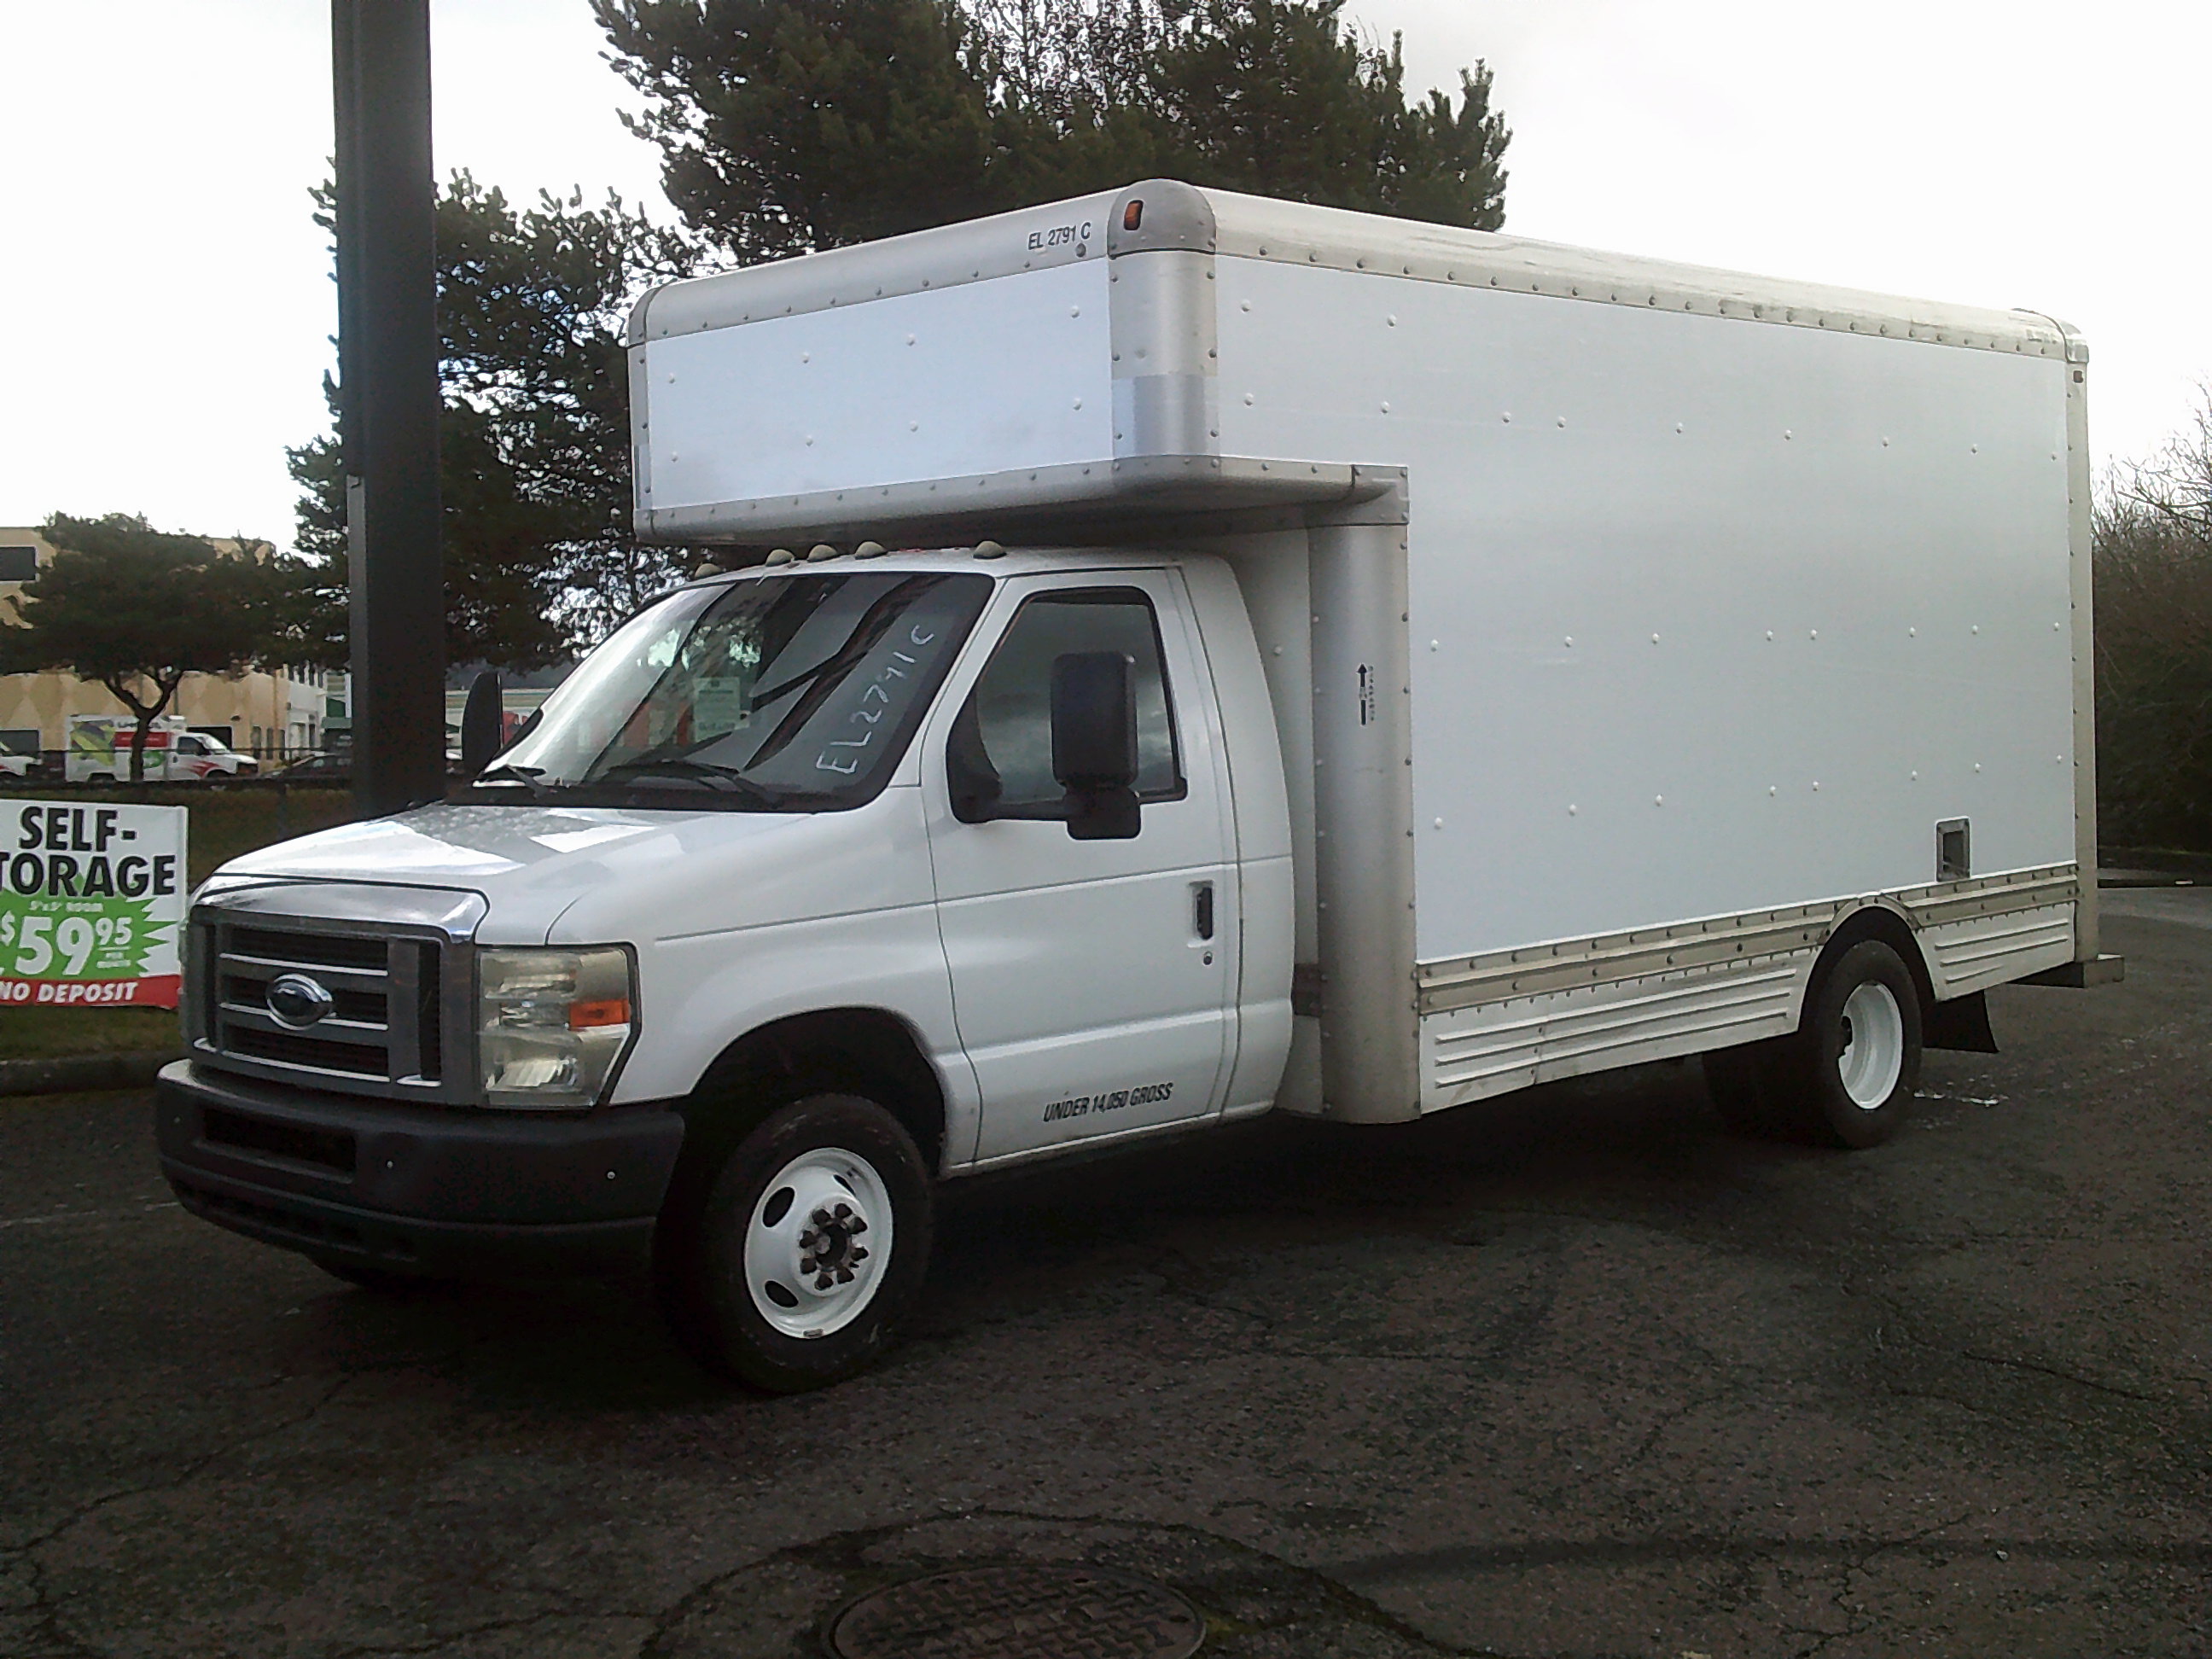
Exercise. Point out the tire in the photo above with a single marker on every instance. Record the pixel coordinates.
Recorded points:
(1846, 1078)
(770, 1281)
(385, 1281)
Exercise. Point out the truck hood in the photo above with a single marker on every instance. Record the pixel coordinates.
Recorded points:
(556, 874)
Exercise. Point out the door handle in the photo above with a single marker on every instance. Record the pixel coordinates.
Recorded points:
(1202, 908)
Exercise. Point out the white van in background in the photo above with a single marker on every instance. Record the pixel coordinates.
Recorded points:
(100, 752)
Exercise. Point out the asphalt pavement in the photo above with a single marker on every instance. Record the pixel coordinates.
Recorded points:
(1570, 1374)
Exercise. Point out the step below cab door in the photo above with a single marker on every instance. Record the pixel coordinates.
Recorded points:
(1093, 980)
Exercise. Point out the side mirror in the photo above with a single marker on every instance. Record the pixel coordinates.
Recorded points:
(480, 723)
(1094, 743)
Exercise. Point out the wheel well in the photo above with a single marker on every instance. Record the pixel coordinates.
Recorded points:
(1877, 921)
(864, 1051)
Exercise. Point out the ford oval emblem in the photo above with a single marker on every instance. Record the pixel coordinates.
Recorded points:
(298, 1001)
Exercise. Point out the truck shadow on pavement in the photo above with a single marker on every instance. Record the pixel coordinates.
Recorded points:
(1191, 1214)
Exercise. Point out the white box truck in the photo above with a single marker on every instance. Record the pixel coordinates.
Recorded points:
(1181, 656)
(100, 752)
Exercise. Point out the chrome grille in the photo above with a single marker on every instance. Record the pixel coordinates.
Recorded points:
(389, 960)
(374, 1030)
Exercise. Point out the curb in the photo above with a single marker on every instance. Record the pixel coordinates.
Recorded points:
(2156, 860)
(84, 1074)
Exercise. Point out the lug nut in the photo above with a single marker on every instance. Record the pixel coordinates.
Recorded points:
(823, 1217)
(844, 1212)
(844, 1275)
(858, 1256)
(858, 1227)
(822, 1283)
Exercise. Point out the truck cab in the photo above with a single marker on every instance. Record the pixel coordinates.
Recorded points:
(812, 837)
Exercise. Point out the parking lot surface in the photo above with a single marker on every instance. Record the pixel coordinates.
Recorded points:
(1571, 1374)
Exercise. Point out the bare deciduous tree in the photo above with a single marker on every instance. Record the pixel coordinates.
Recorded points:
(2153, 599)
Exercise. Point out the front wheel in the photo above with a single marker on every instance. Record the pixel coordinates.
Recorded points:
(810, 1247)
(1847, 1077)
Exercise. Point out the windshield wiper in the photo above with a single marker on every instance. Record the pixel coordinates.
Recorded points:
(705, 773)
(527, 776)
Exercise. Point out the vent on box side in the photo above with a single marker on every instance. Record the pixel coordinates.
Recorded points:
(1955, 860)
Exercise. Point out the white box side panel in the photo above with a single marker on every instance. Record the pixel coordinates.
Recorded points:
(1852, 552)
(981, 377)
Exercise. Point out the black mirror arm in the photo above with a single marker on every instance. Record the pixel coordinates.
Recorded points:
(481, 721)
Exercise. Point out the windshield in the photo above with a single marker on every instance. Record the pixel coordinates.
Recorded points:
(792, 693)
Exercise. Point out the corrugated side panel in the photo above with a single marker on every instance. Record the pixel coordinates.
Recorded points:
(1969, 955)
(1475, 1053)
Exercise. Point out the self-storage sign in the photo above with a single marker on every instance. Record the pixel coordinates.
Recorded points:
(91, 901)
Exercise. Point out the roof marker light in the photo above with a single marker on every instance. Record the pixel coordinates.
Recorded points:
(819, 552)
(1134, 214)
(782, 555)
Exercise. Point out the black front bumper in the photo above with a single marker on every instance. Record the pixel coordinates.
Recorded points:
(416, 1189)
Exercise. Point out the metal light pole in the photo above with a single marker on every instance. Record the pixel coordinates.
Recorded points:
(388, 398)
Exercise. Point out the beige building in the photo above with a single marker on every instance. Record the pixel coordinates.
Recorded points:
(274, 715)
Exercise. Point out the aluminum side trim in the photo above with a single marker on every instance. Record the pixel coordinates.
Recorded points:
(1721, 943)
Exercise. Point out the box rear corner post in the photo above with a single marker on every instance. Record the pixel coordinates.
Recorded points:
(2090, 966)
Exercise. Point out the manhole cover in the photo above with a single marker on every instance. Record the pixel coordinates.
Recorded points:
(1020, 1612)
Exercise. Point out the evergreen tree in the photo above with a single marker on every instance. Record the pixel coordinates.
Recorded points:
(787, 125)
(534, 437)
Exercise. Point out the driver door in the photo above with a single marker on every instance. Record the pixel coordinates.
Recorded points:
(1093, 982)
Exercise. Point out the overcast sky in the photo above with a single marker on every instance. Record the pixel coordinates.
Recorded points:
(169, 305)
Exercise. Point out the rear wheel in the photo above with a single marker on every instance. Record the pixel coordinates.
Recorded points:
(808, 1248)
(1846, 1078)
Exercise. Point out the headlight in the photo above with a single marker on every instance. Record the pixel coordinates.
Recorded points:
(550, 1024)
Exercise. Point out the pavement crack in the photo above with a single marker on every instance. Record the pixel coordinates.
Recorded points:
(1854, 1621)
(2064, 1375)
(50, 1608)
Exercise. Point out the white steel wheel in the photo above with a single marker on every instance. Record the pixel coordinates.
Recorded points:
(1872, 1058)
(819, 1242)
(792, 1267)
(1846, 1076)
